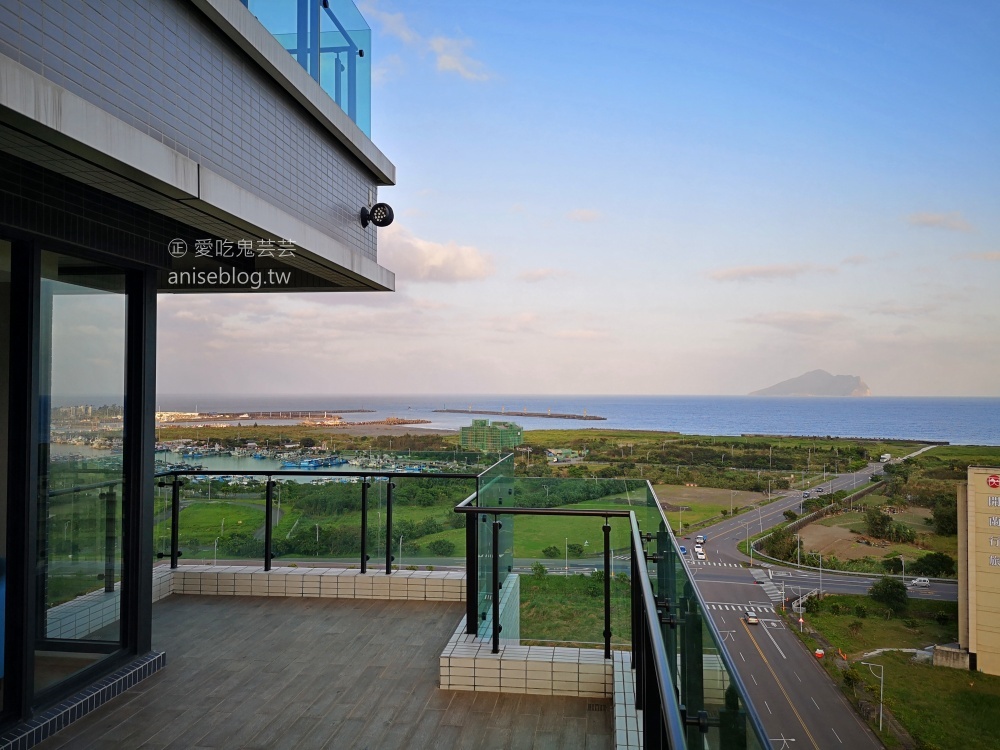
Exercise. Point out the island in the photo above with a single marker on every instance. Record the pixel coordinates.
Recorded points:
(818, 383)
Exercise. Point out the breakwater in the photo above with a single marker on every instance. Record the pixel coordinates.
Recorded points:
(504, 413)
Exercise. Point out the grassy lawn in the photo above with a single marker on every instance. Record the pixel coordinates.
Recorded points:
(556, 609)
(919, 628)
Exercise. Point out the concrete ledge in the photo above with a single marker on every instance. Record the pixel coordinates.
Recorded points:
(324, 583)
(467, 663)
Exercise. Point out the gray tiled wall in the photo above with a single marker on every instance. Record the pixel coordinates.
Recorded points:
(164, 68)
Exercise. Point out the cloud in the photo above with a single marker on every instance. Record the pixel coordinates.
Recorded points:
(991, 256)
(584, 215)
(585, 334)
(451, 57)
(855, 260)
(804, 322)
(953, 221)
(540, 274)
(417, 259)
(449, 53)
(903, 311)
(763, 273)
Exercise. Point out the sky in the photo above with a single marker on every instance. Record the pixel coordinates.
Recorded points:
(654, 198)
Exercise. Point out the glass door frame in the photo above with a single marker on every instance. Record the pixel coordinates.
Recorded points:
(25, 423)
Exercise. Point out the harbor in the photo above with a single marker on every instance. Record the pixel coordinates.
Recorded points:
(525, 413)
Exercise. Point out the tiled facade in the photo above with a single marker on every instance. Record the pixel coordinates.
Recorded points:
(165, 69)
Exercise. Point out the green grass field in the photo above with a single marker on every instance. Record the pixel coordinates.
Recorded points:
(559, 610)
(948, 709)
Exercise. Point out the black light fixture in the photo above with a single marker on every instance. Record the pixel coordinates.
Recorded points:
(380, 215)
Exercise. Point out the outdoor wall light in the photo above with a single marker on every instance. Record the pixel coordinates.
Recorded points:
(380, 215)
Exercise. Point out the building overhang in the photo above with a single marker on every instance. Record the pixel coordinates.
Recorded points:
(46, 124)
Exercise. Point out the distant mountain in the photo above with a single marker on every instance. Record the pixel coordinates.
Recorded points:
(818, 383)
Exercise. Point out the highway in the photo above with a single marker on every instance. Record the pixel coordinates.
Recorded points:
(799, 705)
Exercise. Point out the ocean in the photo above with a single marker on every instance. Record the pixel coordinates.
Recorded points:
(966, 421)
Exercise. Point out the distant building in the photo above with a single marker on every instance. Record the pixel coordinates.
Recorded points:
(482, 435)
(979, 569)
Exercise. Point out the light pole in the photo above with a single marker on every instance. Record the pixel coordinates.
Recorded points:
(216, 551)
(400, 550)
(904, 568)
(567, 556)
(820, 577)
(731, 493)
(881, 685)
(681, 529)
(798, 551)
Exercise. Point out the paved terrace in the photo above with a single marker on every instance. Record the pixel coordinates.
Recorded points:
(271, 673)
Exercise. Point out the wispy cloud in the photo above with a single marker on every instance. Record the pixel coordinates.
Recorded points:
(452, 58)
(765, 273)
(536, 275)
(803, 322)
(450, 54)
(903, 311)
(585, 334)
(953, 221)
(584, 215)
(417, 259)
(990, 256)
(855, 260)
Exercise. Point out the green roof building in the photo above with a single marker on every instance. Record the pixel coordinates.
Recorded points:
(490, 437)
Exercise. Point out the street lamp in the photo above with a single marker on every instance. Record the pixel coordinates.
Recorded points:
(731, 493)
(820, 577)
(881, 685)
(567, 556)
(904, 568)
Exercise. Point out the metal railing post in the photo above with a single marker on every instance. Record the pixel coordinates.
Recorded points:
(109, 539)
(268, 522)
(364, 526)
(607, 588)
(496, 585)
(175, 522)
(388, 527)
(472, 573)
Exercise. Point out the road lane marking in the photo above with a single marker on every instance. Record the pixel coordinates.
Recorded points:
(754, 680)
(768, 631)
(768, 708)
(836, 735)
(814, 702)
(741, 656)
(780, 687)
(796, 675)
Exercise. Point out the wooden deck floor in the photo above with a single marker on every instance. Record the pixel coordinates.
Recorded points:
(272, 673)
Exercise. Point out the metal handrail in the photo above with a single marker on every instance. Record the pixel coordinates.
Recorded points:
(673, 722)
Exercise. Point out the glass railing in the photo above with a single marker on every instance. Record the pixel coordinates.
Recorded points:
(372, 510)
(332, 41)
(587, 548)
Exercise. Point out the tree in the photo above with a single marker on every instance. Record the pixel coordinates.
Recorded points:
(891, 593)
(877, 523)
(441, 548)
(946, 516)
(552, 551)
(934, 564)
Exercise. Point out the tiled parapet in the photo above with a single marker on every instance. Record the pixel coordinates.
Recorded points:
(329, 583)
(628, 735)
(467, 663)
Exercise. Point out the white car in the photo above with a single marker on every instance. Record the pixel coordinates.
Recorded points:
(750, 618)
(700, 554)
(921, 583)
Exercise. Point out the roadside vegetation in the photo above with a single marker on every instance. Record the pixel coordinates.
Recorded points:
(939, 707)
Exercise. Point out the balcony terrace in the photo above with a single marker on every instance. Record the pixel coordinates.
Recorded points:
(312, 650)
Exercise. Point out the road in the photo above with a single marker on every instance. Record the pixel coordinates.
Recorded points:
(799, 705)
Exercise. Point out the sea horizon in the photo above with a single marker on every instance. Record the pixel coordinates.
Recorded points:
(967, 420)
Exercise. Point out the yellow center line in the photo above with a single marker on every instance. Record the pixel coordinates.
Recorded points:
(780, 686)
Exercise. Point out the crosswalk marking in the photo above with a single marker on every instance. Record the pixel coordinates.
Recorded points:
(717, 564)
(740, 608)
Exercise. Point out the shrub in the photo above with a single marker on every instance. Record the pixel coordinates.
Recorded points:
(891, 593)
(942, 618)
(834, 609)
(854, 627)
(441, 548)
(574, 550)
(934, 564)
(790, 514)
(911, 623)
(861, 611)
(537, 569)
(851, 677)
(552, 551)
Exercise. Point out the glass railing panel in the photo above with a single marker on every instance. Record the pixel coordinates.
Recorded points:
(702, 671)
(496, 489)
(221, 520)
(332, 42)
